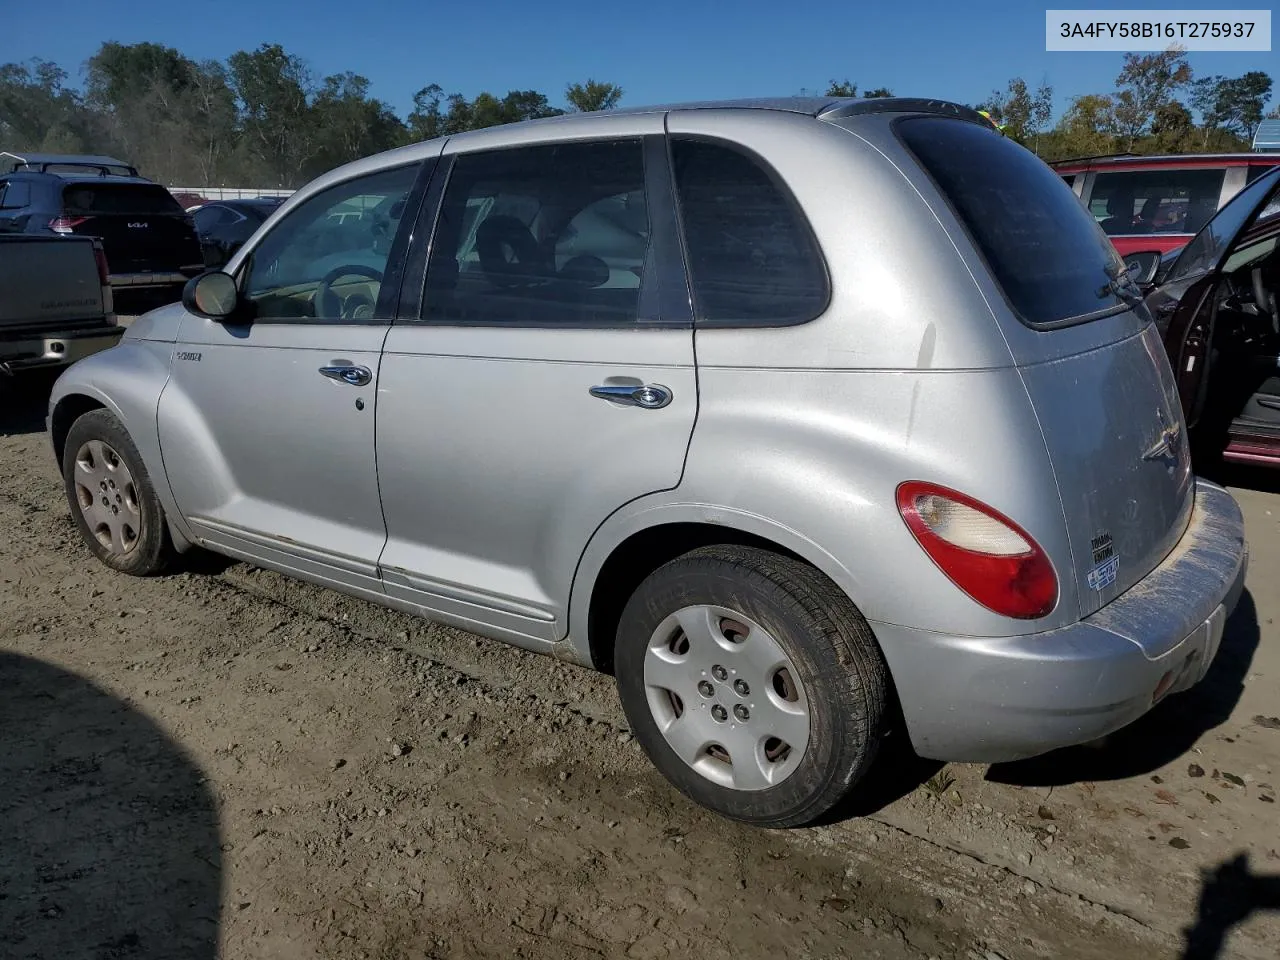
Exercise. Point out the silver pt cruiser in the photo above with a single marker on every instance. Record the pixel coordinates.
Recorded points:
(780, 411)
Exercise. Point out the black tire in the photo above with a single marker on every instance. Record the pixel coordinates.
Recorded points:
(152, 552)
(840, 668)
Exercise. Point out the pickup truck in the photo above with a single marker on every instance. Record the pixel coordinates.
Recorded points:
(55, 301)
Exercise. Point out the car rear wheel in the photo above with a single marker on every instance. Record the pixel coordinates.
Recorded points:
(753, 684)
(112, 500)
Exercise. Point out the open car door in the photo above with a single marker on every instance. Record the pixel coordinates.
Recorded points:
(1185, 305)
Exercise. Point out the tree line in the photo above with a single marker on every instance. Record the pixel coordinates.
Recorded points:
(259, 118)
(1150, 111)
(262, 118)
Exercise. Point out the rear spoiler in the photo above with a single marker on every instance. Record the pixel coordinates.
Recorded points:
(941, 108)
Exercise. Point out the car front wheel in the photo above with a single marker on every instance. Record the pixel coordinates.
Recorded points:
(112, 500)
(753, 684)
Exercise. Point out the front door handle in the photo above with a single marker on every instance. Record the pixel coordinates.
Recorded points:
(348, 373)
(647, 396)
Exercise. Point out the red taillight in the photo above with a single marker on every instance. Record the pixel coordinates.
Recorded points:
(100, 256)
(982, 552)
(65, 224)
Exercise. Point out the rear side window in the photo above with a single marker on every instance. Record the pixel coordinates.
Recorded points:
(1134, 202)
(14, 194)
(108, 198)
(549, 235)
(1053, 262)
(752, 257)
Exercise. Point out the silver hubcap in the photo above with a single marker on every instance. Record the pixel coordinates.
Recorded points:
(726, 697)
(107, 496)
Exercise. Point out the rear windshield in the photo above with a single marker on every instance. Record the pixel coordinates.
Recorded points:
(131, 198)
(1051, 259)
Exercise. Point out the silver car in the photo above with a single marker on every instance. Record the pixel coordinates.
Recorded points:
(785, 413)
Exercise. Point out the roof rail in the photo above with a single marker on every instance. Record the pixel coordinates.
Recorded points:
(40, 162)
(1096, 156)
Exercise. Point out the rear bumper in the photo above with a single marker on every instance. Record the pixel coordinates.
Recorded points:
(55, 350)
(993, 699)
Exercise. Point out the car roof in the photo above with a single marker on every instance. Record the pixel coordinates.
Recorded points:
(831, 107)
(1166, 160)
(250, 201)
(27, 158)
(573, 125)
(85, 180)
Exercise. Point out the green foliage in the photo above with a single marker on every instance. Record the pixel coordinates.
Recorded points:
(260, 117)
(1232, 104)
(843, 88)
(1022, 113)
(593, 95)
(1145, 85)
(38, 111)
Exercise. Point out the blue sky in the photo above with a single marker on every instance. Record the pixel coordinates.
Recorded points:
(658, 51)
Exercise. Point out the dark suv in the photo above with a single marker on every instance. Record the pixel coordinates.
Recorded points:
(150, 241)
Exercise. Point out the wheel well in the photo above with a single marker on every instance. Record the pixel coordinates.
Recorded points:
(637, 557)
(69, 409)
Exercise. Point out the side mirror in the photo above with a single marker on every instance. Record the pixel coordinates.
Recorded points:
(1142, 266)
(212, 295)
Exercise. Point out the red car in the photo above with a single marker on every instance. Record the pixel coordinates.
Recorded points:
(1160, 203)
(1218, 306)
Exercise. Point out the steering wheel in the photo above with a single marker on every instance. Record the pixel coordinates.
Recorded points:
(328, 307)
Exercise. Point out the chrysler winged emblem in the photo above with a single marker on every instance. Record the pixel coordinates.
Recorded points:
(1167, 445)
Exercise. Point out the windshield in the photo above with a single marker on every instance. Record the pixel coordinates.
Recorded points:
(1208, 246)
(1052, 260)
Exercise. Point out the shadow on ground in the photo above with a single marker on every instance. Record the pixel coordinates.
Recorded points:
(1229, 895)
(109, 842)
(24, 401)
(1164, 734)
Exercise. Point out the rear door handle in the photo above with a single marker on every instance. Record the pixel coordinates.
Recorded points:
(348, 373)
(647, 396)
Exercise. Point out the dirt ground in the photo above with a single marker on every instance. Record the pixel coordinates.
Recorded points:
(224, 762)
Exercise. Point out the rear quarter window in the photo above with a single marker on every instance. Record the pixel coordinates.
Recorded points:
(1046, 253)
(753, 259)
(15, 194)
(108, 198)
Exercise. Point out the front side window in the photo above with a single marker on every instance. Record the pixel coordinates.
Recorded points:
(752, 257)
(325, 260)
(547, 235)
(1155, 201)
